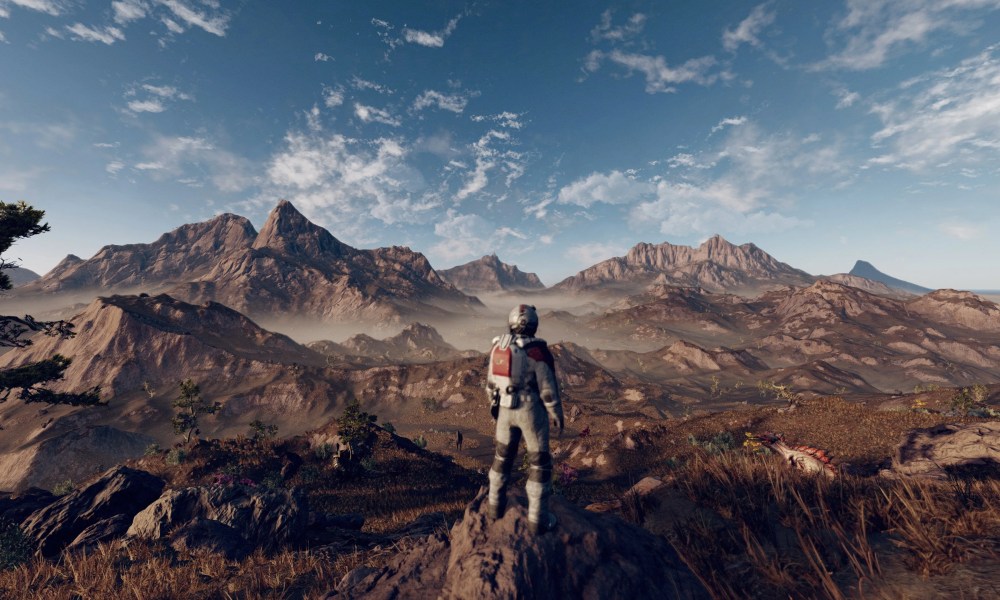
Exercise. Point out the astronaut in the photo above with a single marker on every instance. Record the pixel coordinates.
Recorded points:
(524, 395)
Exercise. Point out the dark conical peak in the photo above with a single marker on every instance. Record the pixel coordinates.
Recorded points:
(868, 271)
(289, 231)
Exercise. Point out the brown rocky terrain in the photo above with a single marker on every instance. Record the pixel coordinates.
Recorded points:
(715, 265)
(490, 274)
(416, 343)
(291, 267)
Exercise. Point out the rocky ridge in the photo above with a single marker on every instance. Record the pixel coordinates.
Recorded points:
(490, 274)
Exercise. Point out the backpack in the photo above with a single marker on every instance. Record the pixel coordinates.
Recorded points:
(508, 363)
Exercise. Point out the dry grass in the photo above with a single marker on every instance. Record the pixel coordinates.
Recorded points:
(773, 532)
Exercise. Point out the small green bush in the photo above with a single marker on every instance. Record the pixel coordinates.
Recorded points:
(176, 456)
(420, 441)
(15, 547)
(152, 450)
(63, 488)
(389, 427)
(323, 452)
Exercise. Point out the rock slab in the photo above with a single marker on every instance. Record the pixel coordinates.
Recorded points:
(936, 452)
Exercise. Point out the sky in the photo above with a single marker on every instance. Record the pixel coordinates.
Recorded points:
(556, 134)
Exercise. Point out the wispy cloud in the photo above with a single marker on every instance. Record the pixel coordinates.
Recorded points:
(322, 57)
(949, 118)
(846, 98)
(363, 84)
(660, 76)
(873, 31)
(592, 253)
(106, 35)
(728, 122)
(612, 188)
(494, 151)
(961, 231)
(434, 39)
(18, 180)
(749, 29)
(126, 11)
(213, 20)
(51, 7)
(370, 114)
(195, 159)
(605, 30)
(431, 98)
(151, 98)
(333, 96)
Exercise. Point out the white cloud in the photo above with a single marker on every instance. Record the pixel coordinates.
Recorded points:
(4, 13)
(108, 35)
(213, 21)
(52, 7)
(370, 114)
(613, 188)
(333, 97)
(3, 38)
(590, 254)
(606, 31)
(660, 77)
(749, 29)
(126, 11)
(728, 122)
(321, 57)
(493, 151)
(18, 180)
(946, 118)
(451, 102)
(846, 98)
(114, 167)
(745, 183)
(508, 120)
(363, 84)
(463, 236)
(348, 183)
(151, 105)
(873, 31)
(190, 158)
(166, 91)
(961, 231)
(430, 39)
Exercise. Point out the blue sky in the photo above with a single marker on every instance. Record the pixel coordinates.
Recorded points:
(557, 134)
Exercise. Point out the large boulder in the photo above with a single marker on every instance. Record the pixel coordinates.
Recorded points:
(588, 556)
(119, 491)
(15, 508)
(937, 452)
(263, 519)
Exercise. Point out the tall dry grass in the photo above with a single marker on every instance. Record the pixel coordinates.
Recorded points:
(780, 533)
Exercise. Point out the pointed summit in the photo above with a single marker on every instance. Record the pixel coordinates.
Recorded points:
(868, 271)
(289, 232)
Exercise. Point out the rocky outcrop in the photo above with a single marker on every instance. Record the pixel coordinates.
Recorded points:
(868, 271)
(946, 450)
(295, 267)
(588, 556)
(869, 285)
(416, 343)
(208, 517)
(120, 491)
(715, 265)
(15, 508)
(954, 307)
(490, 274)
(184, 254)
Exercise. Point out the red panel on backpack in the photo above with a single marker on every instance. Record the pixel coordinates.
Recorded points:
(501, 362)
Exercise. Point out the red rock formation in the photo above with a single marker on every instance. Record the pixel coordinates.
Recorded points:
(490, 274)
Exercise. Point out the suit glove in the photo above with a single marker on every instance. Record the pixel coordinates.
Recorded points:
(556, 416)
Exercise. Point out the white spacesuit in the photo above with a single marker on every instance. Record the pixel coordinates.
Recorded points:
(524, 395)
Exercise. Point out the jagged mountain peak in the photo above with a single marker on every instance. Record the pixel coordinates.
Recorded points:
(289, 231)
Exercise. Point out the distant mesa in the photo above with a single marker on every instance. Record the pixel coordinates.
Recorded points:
(716, 265)
(416, 343)
(490, 274)
(868, 271)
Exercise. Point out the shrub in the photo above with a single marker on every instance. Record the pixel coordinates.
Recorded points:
(152, 450)
(718, 444)
(63, 488)
(260, 431)
(176, 456)
(15, 547)
(420, 441)
(389, 427)
(429, 405)
(323, 452)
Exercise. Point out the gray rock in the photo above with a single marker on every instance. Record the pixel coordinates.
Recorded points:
(101, 531)
(264, 519)
(15, 508)
(120, 491)
(210, 535)
(936, 452)
(588, 556)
